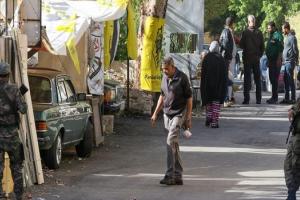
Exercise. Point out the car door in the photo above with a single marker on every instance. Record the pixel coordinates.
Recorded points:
(77, 110)
(67, 112)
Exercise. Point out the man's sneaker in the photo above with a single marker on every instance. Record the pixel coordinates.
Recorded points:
(168, 181)
(178, 181)
(271, 101)
(292, 102)
(285, 101)
(227, 104)
(245, 102)
(258, 102)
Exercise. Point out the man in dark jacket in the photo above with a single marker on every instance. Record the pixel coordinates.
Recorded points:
(213, 84)
(228, 51)
(290, 60)
(274, 54)
(252, 43)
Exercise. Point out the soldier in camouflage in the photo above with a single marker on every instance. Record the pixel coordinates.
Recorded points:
(292, 160)
(11, 103)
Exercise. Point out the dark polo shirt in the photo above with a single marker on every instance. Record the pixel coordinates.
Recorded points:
(175, 93)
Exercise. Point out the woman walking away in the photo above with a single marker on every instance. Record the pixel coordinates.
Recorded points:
(213, 84)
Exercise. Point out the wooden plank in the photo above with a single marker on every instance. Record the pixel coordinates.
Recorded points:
(30, 122)
(98, 133)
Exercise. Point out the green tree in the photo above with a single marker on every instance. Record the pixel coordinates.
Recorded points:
(264, 11)
(215, 13)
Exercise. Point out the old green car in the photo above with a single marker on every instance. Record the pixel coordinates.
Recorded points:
(63, 118)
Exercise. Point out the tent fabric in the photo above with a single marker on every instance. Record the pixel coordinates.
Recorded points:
(96, 11)
(61, 25)
(58, 16)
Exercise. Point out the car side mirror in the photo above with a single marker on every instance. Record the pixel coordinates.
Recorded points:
(81, 97)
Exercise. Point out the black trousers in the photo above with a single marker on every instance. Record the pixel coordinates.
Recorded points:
(249, 68)
(274, 72)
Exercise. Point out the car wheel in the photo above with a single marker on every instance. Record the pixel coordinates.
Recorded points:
(85, 147)
(52, 157)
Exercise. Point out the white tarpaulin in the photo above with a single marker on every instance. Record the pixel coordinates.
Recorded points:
(62, 24)
(97, 11)
(66, 19)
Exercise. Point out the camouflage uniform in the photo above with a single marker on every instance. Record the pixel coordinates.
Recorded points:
(11, 103)
(292, 160)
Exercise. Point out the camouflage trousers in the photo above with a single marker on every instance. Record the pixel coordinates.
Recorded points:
(292, 164)
(13, 146)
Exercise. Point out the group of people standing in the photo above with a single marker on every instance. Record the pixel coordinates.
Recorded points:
(218, 66)
(216, 87)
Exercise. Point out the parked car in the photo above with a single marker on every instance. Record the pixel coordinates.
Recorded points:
(63, 118)
(113, 97)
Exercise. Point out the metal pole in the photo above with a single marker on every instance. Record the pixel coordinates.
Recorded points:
(6, 17)
(127, 100)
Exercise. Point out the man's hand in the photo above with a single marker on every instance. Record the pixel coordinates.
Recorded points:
(153, 119)
(290, 115)
(188, 123)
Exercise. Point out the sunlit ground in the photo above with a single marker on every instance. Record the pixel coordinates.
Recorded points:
(268, 184)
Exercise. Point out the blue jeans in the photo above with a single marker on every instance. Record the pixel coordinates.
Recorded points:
(289, 83)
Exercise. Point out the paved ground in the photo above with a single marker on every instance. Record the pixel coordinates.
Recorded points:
(243, 159)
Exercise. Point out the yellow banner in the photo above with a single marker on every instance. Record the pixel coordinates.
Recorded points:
(114, 3)
(108, 37)
(151, 54)
(70, 27)
(132, 36)
(71, 46)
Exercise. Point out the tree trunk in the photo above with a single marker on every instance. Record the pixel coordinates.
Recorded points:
(154, 8)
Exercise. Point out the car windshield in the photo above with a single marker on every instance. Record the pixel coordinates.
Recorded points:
(40, 89)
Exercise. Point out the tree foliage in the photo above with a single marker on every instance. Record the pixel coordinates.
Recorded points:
(264, 11)
(215, 13)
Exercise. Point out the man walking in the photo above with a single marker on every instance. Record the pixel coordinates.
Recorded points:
(228, 51)
(252, 43)
(274, 54)
(11, 103)
(176, 101)
(290, 59)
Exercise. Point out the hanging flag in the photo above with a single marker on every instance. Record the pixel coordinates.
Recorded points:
(132, 36)
(108, 34)
(95, 79)
(111, 39)
(151, 54)
(71, 46)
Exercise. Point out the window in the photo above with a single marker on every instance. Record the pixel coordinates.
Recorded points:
(183, 43)
(40, 89)
(62, 93)
(70, 91)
